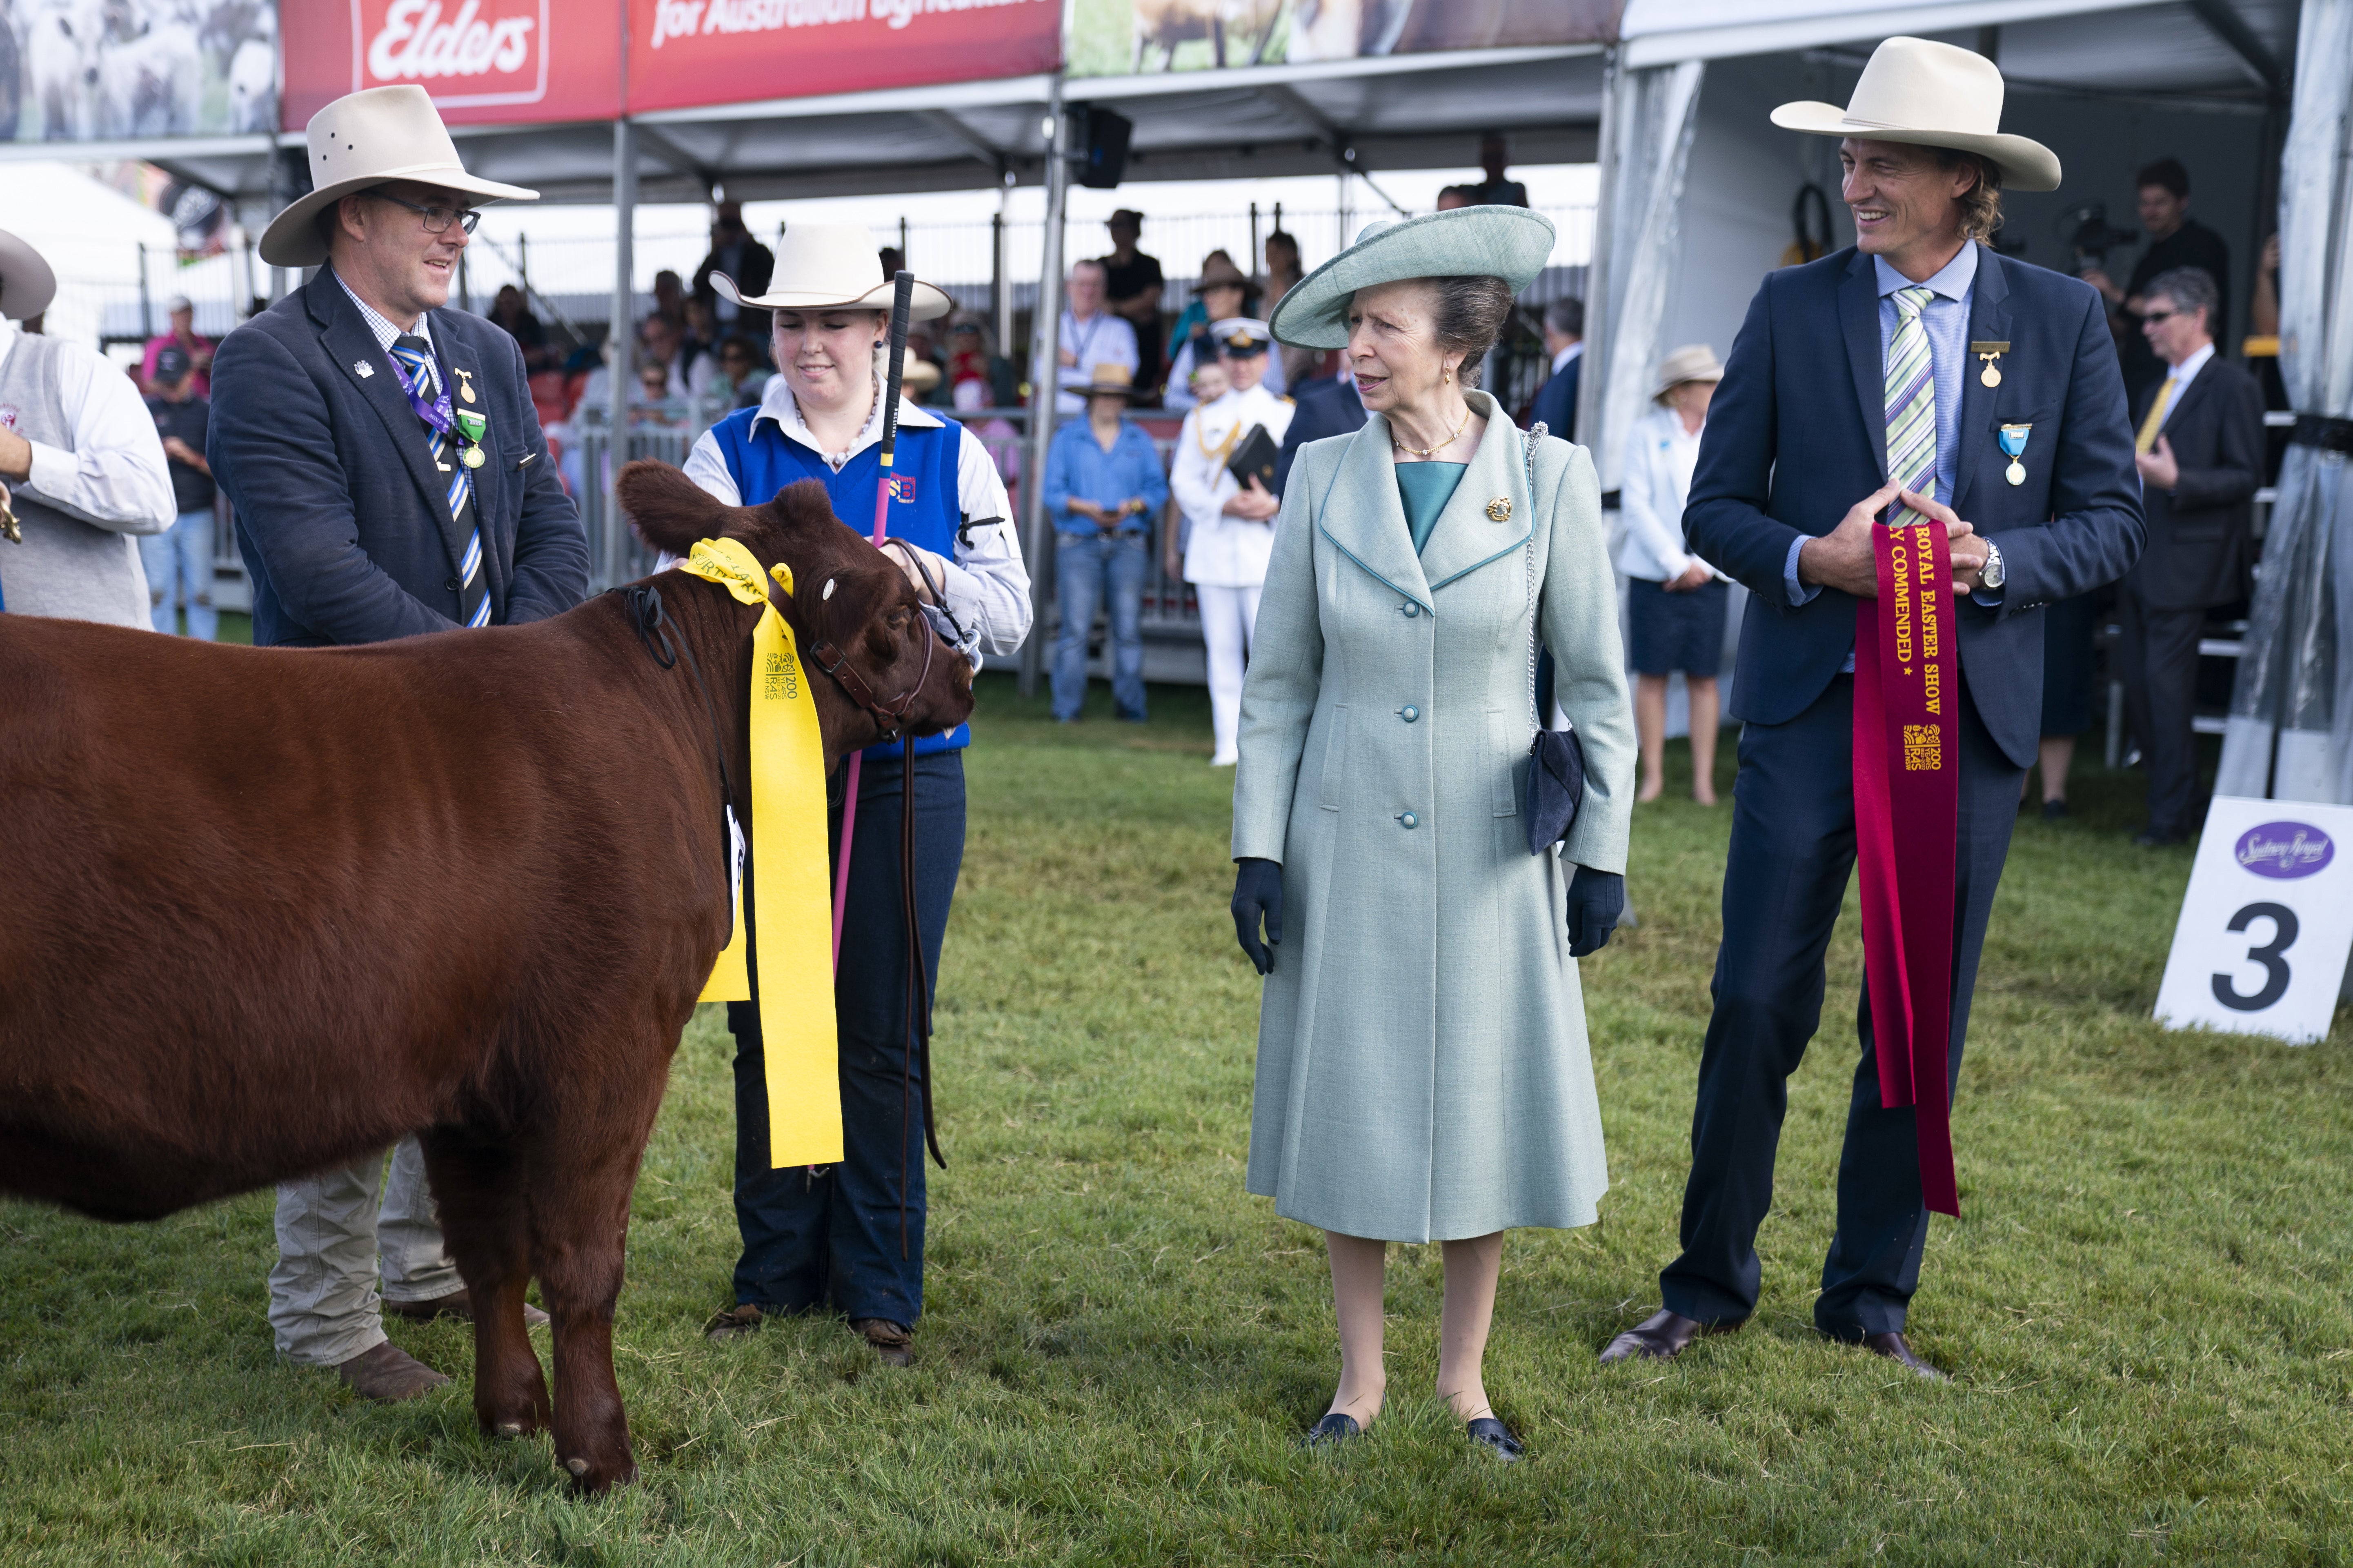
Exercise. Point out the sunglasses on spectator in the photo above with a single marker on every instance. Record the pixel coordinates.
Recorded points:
(437, 218)
(2149, 316)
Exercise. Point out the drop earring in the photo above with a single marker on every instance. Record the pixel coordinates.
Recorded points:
(1447, 376)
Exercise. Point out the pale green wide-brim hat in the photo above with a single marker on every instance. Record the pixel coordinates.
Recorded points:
(1509, 242)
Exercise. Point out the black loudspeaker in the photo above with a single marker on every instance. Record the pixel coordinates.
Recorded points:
(1104, 157)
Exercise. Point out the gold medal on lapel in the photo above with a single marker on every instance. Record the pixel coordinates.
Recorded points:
(466, 391)
(473, 459)
(1500, 510)
(1990, 352)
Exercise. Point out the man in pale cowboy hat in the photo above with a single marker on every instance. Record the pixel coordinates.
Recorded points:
(1105, 489)
(390, 481)
(80, 464)
(849, 1238)
(1919, 378)
(1229, 527)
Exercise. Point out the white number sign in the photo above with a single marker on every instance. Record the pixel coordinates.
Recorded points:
(2266, 927)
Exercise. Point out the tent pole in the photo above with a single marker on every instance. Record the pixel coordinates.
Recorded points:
(1598, 322)
(618, 337)
(1001, 295)
(1045, 387)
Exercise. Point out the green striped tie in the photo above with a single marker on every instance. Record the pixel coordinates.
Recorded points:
(1911, 403)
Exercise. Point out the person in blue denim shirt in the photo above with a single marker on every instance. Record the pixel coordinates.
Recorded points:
(1103, 486)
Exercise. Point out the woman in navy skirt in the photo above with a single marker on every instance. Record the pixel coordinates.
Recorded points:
(1676, 601)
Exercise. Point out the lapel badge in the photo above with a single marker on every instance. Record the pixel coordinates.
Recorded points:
(1990, 352)
(466, 384)
(1500, 510)
(362, 368)
(2013, 445)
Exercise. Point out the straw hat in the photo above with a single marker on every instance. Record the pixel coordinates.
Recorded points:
(830, 266)
(1111, 379)
(365, 138)
(1930, 95)
(1509, 242)
(26, 284)
(918, 374)
(1692, 361)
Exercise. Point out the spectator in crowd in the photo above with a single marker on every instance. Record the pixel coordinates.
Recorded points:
(179, 560)
(2199, 444)
(1103, 488)
(80, 465)
(1229, 527)
(1564, 339)
(2174, 240)
(1133, 284)
(1220, 294)
(1452, 196)
(1207, 383)
(1281, 251)
(743, 371)
(700, 338)
(511, 311)
(670, 298)
(1327, 406)
(2263, 311)
(1091, 335)
(1677, 601)
(997, 437)
(1495, 191)
(895, 262)
(745, 261)
(972, 355)
(182, 312)
(652, 404)
(2067, 627)
(662, 342)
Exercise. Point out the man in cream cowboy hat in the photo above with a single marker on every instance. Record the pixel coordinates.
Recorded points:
(79, 461)
(390, 479)
(1917, 376)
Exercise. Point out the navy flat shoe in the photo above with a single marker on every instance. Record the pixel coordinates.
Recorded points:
(1490, 1433)
(1334, 1428)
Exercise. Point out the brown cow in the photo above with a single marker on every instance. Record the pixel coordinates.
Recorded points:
(270, 909)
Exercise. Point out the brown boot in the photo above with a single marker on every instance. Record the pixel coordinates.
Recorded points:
(1662, 1336)
(892, 1342)
(457, 1304)
(389, 1375)
(735, 1323)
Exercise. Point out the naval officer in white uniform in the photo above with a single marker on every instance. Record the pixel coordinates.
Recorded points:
(1230, 529)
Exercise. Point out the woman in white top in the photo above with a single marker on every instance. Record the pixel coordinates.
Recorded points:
(1676, 600)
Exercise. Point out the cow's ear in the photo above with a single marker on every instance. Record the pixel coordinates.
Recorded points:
(669, 510)
(800, 506)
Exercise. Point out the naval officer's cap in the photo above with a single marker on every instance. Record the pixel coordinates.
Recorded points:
(1239, 337)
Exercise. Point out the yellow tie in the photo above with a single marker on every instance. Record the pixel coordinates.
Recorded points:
(2146, 442)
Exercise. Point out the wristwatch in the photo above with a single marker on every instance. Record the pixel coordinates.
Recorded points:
(1992, 576)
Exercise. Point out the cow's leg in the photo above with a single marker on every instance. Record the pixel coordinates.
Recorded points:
(479, 1189)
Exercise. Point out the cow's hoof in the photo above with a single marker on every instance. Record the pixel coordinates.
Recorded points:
(579, 1468)
(589, 1478)
(508, 1429)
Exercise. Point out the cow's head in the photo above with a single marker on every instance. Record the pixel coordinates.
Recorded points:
(849, 600)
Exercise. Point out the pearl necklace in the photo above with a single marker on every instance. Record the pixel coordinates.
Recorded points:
(1424, 452)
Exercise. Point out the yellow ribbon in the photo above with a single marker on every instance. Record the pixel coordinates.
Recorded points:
(792, 894)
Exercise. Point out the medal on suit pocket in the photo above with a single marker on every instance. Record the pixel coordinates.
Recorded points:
(2013, 444)
(472, 426)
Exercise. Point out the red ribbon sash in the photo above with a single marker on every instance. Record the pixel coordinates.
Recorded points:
(1907, 775)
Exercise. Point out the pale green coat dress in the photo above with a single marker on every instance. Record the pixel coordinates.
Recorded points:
(1422, 1067)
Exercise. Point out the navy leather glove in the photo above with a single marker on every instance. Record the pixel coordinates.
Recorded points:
(1258, 893)
(1596, 900)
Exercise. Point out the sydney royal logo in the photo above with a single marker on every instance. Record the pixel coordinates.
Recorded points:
(2283, 849)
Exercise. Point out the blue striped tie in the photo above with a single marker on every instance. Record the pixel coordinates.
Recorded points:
(415, 355)
(1911, 403)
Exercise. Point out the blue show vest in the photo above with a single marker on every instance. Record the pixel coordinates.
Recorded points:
(925, 506)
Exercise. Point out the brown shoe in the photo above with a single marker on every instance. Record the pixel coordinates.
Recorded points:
(734, 1324)
(1661, 1337)
(457, 1304)
(1897, 1349)
(892, 1341)
(389, 1375)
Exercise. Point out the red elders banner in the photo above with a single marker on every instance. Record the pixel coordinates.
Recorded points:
(484, 61)
(684, 53)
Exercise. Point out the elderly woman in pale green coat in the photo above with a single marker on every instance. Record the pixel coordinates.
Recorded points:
(1422, 1068)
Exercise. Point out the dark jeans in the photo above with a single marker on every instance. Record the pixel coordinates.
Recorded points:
(829, 1236)
(1792, 848)
(1088, 570)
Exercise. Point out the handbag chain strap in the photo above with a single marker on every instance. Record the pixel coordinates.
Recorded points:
(1535, 433)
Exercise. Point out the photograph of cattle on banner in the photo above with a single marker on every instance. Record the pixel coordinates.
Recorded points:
(83, 71)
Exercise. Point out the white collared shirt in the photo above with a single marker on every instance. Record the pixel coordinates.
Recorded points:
(2181, 375)
(1560, 361)
(988, 585)
(1102, 339)
(116, 477)
(1659, 457)
(388, 332)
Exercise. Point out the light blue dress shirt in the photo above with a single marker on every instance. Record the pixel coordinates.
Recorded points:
(1946, 318)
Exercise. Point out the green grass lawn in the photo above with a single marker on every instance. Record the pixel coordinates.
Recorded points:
(2145, 1303)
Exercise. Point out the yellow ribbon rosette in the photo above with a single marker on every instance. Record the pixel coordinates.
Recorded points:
(791, 891)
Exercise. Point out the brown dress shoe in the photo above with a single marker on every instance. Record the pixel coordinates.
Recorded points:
(735, 1323)
(892, 1342)
(389, 1375)
(1897, 1349)
(457, 1304)
(1661, 1337)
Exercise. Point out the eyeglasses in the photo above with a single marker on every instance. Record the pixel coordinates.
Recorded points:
(437, 218)
(2147, 316)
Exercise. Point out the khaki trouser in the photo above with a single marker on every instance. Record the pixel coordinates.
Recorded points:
(323, 1304)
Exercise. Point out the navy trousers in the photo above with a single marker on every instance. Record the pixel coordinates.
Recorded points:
(1792, 849)
(831, 1237)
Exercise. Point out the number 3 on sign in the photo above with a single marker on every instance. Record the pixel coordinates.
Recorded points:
(2271, 876)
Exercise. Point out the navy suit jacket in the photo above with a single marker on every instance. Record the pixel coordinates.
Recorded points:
(1325, 406)
(341, 515)
(1556, 406)
(1797, 436)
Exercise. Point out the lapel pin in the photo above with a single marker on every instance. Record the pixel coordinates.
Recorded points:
(1990, 353)
(466, 384)
(2013, 444)
(362, 368)
(1499, 510)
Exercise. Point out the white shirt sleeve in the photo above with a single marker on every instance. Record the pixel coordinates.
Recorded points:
(1200, 489)
(987, 583)
(1655, 549)
(116, 477)
(709, 471)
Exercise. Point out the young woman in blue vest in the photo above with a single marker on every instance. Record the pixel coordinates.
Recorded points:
(850, 1237)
